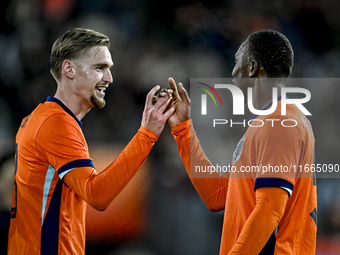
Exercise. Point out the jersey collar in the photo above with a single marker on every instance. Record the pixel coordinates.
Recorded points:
(66, 109)
(255, 116)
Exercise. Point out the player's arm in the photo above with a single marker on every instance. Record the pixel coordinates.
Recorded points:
(99, 190)
(211, 187)
(262, 222)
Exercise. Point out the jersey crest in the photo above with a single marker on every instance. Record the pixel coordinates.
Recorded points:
(238, 150)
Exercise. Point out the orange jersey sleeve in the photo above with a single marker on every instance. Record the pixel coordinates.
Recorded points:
(211, 187)
(278, 147)
(61, 143)
(269, 209)
(100, 189)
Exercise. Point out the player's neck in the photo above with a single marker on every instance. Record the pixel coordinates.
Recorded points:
(263, 92)
(72, 102)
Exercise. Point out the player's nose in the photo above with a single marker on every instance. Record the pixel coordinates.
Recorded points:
(233, 72)
(108, 76)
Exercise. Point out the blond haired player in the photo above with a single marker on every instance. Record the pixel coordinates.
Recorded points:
(55, 176)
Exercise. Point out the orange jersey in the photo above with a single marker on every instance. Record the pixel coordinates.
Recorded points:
(55, 174)
(269, 145)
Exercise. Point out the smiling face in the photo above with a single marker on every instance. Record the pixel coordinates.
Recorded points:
(92, 76)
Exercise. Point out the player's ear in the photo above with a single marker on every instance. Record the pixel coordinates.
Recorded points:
(253, 68)
(68, 69)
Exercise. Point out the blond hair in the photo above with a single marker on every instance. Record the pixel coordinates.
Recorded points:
(72, 45)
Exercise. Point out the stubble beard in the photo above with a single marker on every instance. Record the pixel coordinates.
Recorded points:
(98, 103)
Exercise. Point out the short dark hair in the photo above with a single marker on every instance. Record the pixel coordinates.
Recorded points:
(273, 50)
(72, 45)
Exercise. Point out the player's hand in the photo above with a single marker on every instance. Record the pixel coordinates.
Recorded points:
(156, 114)
(163, 93)
(181, 101)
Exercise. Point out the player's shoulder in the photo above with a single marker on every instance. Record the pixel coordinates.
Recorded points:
(38, 116)
(299, 119)
(51, 111)
(276, 126)
(49, 117)
(293, 118)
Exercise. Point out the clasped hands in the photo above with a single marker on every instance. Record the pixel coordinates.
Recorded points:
(171, 105)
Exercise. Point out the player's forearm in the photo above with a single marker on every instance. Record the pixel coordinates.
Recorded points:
(269, 209)
(99, 190)
(212, 187)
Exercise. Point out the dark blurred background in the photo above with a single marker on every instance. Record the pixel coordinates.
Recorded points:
(150, 41)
